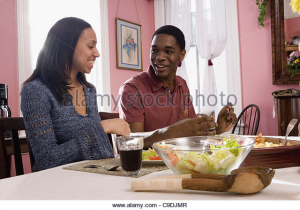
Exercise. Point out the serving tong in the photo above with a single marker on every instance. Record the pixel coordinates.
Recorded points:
(245, 180)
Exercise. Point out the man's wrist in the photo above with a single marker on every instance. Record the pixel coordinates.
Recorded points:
(219, 131)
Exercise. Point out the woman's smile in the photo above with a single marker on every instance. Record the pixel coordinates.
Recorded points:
(91, 62)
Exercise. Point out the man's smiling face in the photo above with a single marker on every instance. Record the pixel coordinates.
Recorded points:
(165, 55)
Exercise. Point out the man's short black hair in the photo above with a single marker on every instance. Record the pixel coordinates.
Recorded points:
(174, 31)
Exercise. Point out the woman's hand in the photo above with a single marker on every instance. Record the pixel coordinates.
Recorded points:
(116, 126)
(226, 119)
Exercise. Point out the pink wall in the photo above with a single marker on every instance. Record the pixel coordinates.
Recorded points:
(292, 27)
(8, 52)
(256, 65)
(127, 11)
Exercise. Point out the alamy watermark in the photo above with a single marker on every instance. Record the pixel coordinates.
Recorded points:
(159, 100)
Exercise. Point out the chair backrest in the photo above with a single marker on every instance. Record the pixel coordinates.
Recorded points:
(108, 115)
(248, 121)
(12, 145)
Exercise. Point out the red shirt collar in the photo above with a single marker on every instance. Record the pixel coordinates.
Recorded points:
(158, 84)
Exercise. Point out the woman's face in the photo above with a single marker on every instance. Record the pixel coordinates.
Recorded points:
(85, 53)
(165, 55)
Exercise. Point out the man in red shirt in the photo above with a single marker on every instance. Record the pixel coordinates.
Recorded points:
(158, 100)
(145, 99)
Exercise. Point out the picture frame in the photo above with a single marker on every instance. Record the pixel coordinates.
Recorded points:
(129, 45)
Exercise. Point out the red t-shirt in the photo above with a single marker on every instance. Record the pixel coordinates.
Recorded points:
(145, 99)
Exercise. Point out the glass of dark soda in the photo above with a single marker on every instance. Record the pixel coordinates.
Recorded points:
(130, 150)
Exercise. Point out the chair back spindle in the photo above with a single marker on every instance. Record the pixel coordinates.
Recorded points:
(248, 121)
(12, 145)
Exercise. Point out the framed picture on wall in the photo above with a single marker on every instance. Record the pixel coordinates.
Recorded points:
(129, 45)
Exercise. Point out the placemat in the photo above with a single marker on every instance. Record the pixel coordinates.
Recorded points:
(146, 169)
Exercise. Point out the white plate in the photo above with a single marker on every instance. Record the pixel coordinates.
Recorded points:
(152, 162)
(145, 134)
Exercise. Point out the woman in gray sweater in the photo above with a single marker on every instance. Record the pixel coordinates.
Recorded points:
(58, 104)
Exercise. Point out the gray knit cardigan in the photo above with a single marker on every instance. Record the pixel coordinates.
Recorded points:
(57, 133)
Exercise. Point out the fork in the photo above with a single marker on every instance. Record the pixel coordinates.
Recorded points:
(113, 168)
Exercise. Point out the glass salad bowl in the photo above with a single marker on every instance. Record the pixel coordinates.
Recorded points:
(204, 154)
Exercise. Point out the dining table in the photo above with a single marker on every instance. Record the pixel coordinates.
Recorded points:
(60, 184)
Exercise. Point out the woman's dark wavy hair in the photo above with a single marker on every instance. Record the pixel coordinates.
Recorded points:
(54, 62)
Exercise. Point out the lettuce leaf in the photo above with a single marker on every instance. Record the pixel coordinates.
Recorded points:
(148, 153)
(231, 143)
(218, 161)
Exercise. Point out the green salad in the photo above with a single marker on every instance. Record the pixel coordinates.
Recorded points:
(218, 161)
(150, 154)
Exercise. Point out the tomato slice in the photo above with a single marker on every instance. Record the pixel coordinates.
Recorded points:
(154, 158)
(192, 163)
(173, 158)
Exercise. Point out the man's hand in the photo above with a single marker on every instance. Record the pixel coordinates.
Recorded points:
(226, 119)
(201, 126)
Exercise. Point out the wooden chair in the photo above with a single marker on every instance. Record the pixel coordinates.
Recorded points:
(14, 145)
(248, 121)
(108, 115)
